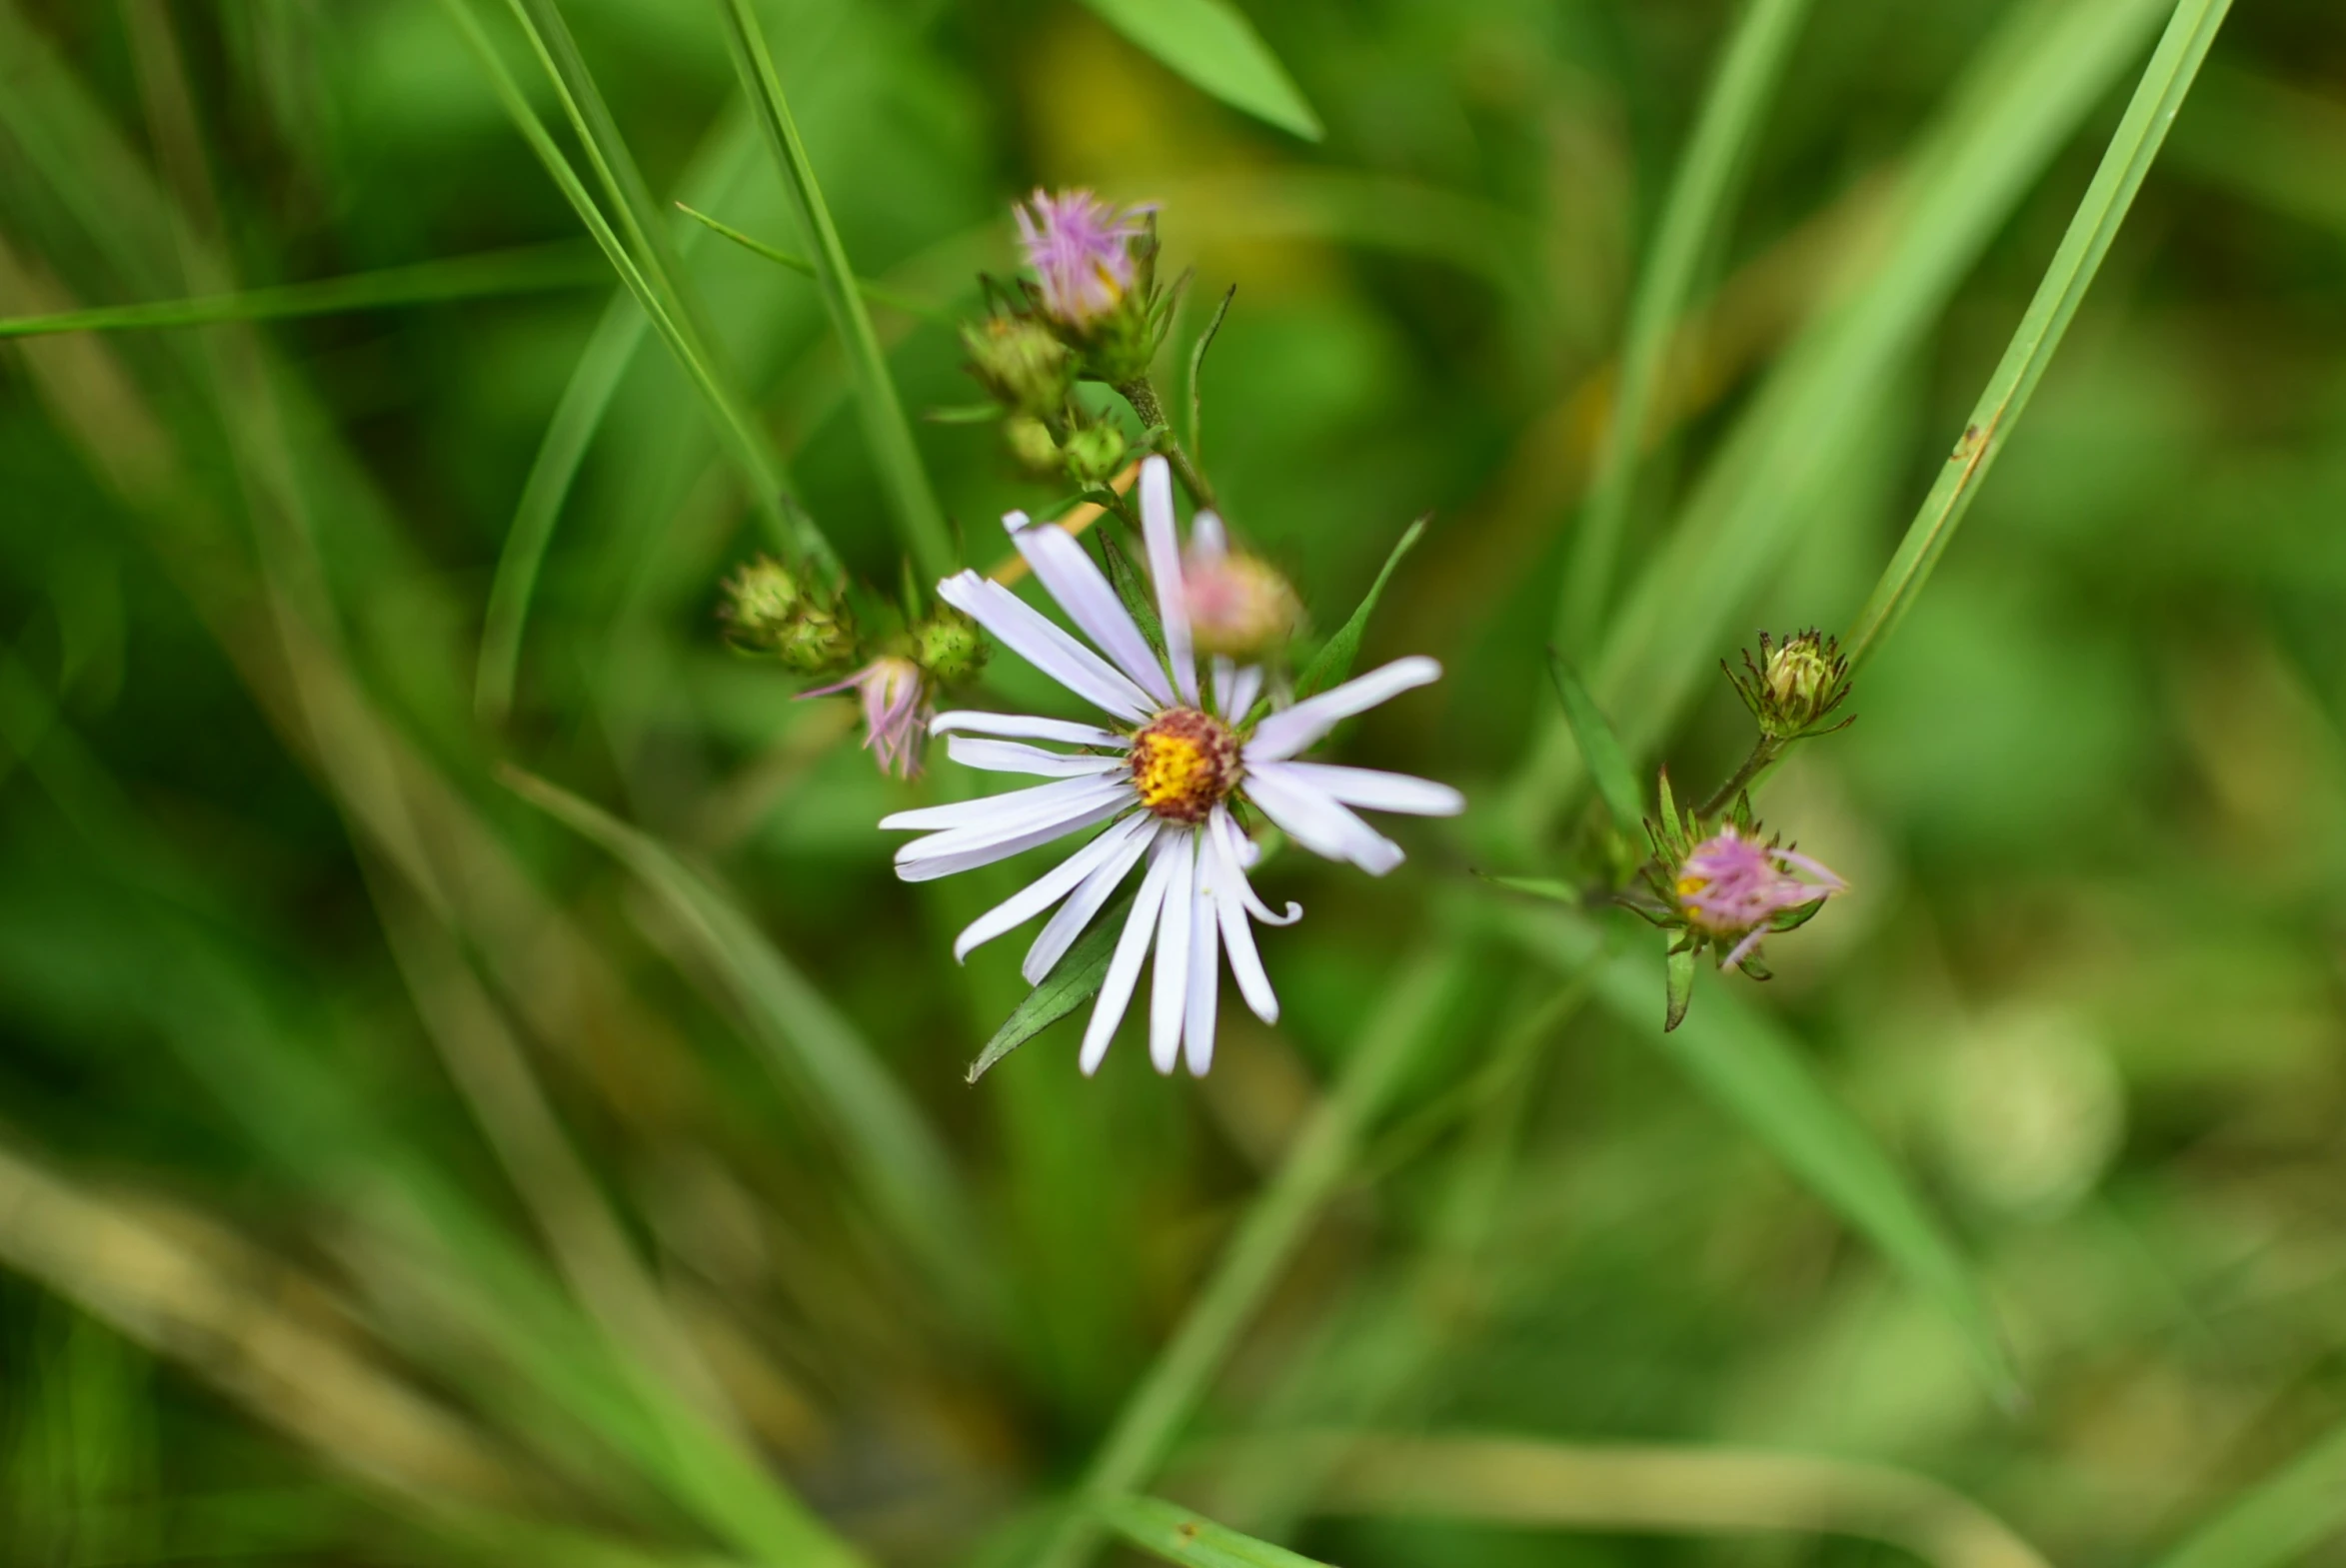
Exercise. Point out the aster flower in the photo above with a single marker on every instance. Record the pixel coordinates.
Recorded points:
(1081, 250)
(897, 711)
(1160, 778)
(1733, 888)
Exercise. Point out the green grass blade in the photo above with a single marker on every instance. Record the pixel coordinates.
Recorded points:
(893, 451)
(1700, 201)
(793, 530)
(2280, 1520)
(1212, 43)
(529, 270)
(1074, 980)
(877, 293)
(2157, 98)
(892, 1149)
(577, 418)
(1164, 1530)
(1334, 660)
(1276, 1221)
(1601, 749)
(2023, 96)
(1757, 1076)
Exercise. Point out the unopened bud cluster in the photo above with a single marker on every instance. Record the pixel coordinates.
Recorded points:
(770, 611)
(1793, 685)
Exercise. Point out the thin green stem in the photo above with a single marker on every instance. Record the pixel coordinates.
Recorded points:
(530, 270)
(1141, 395)
(1277, 1221)
(1764, 752)
(877, 293)
(2135, 144)
(893, 451)
(1700, 200)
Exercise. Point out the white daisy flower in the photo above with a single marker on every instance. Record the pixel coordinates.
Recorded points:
(1161, 774)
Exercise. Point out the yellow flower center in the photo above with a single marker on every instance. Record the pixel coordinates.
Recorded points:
(1185, 763)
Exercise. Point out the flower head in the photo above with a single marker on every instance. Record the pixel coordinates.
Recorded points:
(1238, 604)
(1162, 778)
(1732, 889)
(1082, 251)
(1021, 361)
(897, 711)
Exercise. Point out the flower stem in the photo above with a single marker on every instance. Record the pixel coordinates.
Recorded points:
(1764, 757)
(1140, 393)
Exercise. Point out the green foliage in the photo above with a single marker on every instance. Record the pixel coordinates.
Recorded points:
(1212, 43)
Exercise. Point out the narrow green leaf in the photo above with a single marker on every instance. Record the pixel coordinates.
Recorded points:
(1700, 200)
(1073, 982)
(1334, 661)
(2280, 1520)
(1677, 985)
(894, 452)
(1549, 888)
(1601, 749)
(2157, 98)
(1212, 43)
(1198, 371)
(880, 1133)
(1671, 825)
(1175, 1534)
(1132, 589)
(877, 293)
(531, 269)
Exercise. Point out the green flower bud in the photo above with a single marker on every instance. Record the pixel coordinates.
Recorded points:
(768, 611)
(1031, 443)
(1095, 451)
(1793, 685)
(1021, 361)
(948, 647)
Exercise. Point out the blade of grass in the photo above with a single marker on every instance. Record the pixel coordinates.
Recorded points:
(2278, 1520)
(1212, 43)
(877, 293)
(892, 1149)
(1700, 201)
(2157, 99)
(586, 398)
(793, 530)
(1758, 1076)
(2023, 95)
(893, 451)
(1406, 1015)
(1163, 1529)
(527, 270)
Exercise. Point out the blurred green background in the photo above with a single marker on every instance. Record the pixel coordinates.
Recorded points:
(389, 1174)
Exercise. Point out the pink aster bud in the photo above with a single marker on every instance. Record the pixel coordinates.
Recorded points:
(1238, 604)
(897, 711)
(1081, 250)
(1731, 888)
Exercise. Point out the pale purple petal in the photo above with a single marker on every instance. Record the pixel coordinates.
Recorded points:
(1124, 968)
(1379, 791)
(1051, 885)
(1240, 693)
(1058, 933)
(1224, 885)
(1168, 994)
(1025, 727)
(1244, 853)
(940, 860)
(1006, 808)
(1008, 756)
(1205, 971)
(1159, 532)
(1091, 603)
(1284, 734)
(1023, 630)
(1317, 821)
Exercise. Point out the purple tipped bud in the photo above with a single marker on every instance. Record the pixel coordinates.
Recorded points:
(897, 711)
(1082, 251)
(1730, 887)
